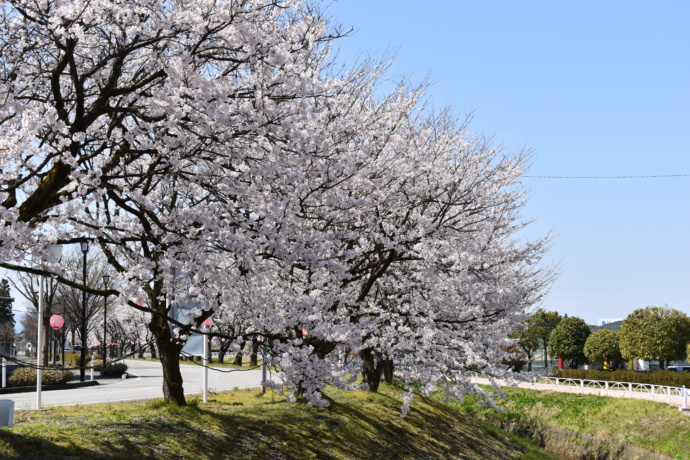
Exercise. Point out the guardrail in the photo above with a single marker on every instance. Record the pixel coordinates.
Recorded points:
(661, 393)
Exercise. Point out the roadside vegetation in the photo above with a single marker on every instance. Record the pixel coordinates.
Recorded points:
(247, 425)
(589, 426)
(668, 378)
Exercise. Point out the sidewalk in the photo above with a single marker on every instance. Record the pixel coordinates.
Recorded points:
(613, 393)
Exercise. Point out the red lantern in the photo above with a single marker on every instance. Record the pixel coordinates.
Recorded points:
(208, 321)
(56, 321)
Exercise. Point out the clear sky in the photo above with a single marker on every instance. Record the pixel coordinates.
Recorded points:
(594, 89)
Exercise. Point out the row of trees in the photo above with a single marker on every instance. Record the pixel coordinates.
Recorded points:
(652, 333)
(349, 227)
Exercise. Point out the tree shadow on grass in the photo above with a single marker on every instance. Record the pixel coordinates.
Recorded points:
(18, 446)
(372, 429)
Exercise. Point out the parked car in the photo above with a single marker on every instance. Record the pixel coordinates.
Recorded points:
(678, 368)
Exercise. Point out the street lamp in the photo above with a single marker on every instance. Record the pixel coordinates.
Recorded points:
(82, 359)
(54, 253)
(106, 280)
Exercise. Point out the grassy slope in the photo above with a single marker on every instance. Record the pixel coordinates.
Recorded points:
(599, 422)
(244, 424)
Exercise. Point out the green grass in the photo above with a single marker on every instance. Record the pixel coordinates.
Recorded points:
(590, 423)
(247, 425)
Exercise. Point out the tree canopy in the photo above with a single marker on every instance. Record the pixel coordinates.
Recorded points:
(568, 340)
(6, 313)
(655, 333)
(527, 339)
(603, 346)
(212, 151)
(542, 323)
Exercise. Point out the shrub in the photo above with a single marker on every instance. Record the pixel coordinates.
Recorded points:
(515, 359)
(114, 369)
(26, 376)
(669, 378)
(72, 359)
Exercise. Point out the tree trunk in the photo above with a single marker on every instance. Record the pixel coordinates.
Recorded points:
(169, 353)
(173, 392)
(371, 370)
(253, 358)
(662, 364)
(529, 362)
(221, 357)
(388, 367)
(546, 356)
(238, 359)
(154, 355)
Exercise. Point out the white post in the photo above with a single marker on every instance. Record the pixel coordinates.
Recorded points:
(39, 344)
(607, 388)
(205, 361)
(582, 386)
(685, 397)
(652, 392)
(630, 389)
(92, 367)
(556, 382)
(4, 372)
(669, 394)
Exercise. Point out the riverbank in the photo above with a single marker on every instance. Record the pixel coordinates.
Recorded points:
(588, 426)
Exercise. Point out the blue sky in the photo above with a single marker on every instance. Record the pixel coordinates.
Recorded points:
(593, 89)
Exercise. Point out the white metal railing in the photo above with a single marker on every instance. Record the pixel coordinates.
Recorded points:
(661, 393)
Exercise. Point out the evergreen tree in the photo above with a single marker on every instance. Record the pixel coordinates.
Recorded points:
(6, 313)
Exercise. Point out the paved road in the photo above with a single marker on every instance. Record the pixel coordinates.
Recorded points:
(145, 382)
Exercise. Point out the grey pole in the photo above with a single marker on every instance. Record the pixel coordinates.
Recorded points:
(82, 360)
(39, 345)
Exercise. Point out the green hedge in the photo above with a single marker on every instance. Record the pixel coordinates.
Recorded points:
(669, 378)
(26, 376)
(73, 359)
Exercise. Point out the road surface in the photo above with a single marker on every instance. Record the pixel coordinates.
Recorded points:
(145, 382)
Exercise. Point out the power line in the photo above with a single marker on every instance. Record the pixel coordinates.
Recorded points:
(609, 177)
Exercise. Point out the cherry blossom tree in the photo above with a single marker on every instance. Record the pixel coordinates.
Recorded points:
(352, 232)
(143, 126)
